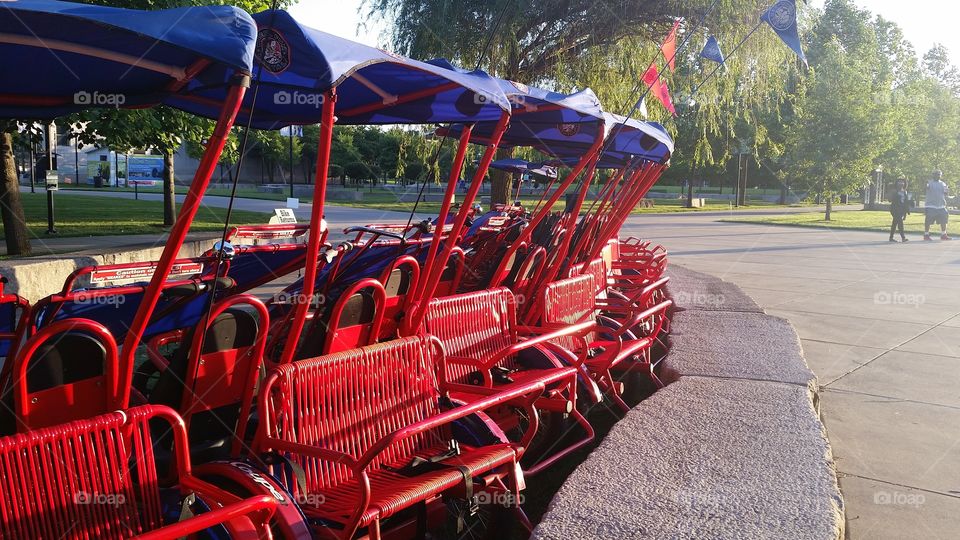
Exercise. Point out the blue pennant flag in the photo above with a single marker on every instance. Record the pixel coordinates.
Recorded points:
(711, 51)
(782, 17)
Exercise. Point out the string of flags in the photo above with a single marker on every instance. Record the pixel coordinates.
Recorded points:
(781, 17)
(711, 51)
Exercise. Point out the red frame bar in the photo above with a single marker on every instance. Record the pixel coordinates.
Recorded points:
(456, 169)
(524, 237)
(418, 308)
(178, 233)
(314, 239)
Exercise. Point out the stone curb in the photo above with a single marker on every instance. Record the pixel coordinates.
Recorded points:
(733, 448)
(37, 277)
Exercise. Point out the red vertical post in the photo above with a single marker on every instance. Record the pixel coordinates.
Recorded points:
(545, 210)
(418, 309)
(455, 170)
(315, 238)
(191, 204)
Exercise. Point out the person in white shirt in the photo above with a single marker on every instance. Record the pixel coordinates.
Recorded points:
(936, 206)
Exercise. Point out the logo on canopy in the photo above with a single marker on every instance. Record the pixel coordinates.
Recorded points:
(783, 15)
(521, 87)
(568, 130)
(273, 52)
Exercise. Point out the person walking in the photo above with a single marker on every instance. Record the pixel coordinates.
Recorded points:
(899, 209)
(936, 207)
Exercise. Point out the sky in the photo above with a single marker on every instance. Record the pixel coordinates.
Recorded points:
(924, 22)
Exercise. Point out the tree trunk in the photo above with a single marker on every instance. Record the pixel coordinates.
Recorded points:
(829, 208)
(169, 191)
(500, 181)
(14, 223)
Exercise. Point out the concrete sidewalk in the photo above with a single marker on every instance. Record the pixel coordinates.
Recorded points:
(880, 326)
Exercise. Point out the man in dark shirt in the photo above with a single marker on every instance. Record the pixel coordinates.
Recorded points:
(899, 208)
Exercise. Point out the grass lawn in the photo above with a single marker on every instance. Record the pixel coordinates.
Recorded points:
(856, 220)
(244, 193)
(96, 216)
(386, 200)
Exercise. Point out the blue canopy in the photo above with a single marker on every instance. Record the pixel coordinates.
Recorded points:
(630, 138)
(61, 57)
(522, 166)
(553, 123)
(297, 65)
(629, 141)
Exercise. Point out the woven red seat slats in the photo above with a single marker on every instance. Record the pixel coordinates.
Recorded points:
(97, 478)
(474, 325)
(352, 419)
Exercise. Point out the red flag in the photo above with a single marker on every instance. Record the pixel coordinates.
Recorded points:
(669, 47)
(658, 89)
(664, 97)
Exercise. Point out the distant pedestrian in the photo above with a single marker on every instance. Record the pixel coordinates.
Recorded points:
(936, 206)
(899, 209)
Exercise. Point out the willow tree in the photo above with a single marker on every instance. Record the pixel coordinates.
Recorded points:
(571, 45)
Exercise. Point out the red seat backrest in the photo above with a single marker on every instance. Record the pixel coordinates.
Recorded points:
(473, 325)
(350, 400)
(91, 390)
(569, 301)
(225, 376)
(92, 478)
(399, 281)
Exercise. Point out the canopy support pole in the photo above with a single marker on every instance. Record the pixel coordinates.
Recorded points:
(418, 309)
(178, 233)
(524, 237)
(456, 170)
(317, 231)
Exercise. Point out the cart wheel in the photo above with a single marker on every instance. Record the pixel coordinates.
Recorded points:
(551, 430)
(491, 521)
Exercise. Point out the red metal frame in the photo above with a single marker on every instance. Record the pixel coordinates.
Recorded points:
(436, 267)
(397, 305)
(456, 170)
(314, 240)
(573, 301)
(479, 333)
(353, 419)
(589, 157)
(188, 210)
(98, 478)
(66, 402)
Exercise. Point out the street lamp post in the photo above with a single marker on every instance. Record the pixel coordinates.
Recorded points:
(51, 183)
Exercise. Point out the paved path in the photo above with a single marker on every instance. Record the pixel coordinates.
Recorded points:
(880, 326)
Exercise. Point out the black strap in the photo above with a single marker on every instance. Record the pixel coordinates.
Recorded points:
(419, 465)
(275, 458)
